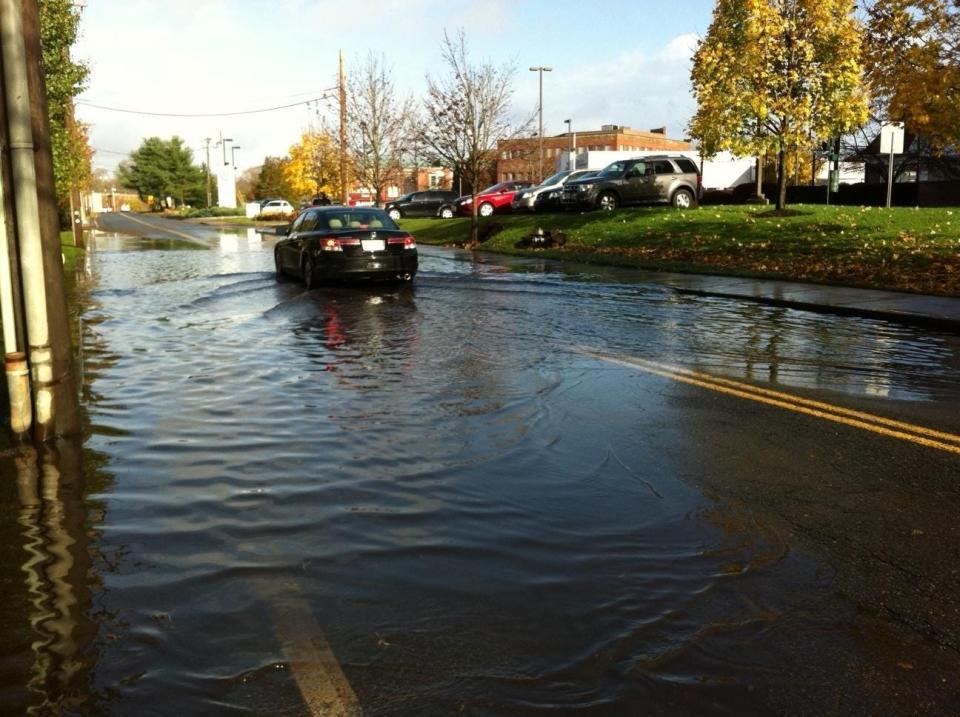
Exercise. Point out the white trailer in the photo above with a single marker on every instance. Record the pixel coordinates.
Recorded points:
(722, 172)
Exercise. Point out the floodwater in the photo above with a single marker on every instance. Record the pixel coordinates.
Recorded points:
(433, 494)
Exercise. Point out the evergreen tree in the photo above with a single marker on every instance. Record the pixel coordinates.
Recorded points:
(160, 168)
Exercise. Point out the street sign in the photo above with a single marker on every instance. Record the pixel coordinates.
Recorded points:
(891, 138)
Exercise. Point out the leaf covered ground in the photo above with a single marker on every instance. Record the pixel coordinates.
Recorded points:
(904, 249)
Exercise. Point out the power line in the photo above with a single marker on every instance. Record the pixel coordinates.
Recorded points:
(198, 114)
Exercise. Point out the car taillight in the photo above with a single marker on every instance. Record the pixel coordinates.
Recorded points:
(408, 241)
(331, 245)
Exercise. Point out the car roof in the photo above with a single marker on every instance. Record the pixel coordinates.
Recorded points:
(340, 207)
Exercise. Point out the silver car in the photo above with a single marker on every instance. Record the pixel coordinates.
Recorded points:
(527, 199)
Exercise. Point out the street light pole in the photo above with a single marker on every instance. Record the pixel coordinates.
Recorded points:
(541, 70)
(233, 154)
(573, 148)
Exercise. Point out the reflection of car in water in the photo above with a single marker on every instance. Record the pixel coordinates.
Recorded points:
(328, 243)
(341, 327)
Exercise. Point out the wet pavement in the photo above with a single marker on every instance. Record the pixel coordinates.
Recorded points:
(495, 492)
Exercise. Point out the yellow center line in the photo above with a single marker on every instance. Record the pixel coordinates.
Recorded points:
(817, 409)
(164, 229)
(319, 677)
(910, 427)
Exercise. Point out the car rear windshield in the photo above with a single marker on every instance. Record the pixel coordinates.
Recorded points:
(686, 165)
(356, 219)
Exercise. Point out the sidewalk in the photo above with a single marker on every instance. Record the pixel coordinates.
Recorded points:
(932, 311)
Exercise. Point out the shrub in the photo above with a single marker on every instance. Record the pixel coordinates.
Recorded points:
(211, 212)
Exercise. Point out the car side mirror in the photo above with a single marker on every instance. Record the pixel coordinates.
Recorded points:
(283, 231)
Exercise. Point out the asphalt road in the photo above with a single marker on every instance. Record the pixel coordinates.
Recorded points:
(513, 488)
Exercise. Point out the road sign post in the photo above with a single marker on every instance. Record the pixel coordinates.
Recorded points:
(891, 143)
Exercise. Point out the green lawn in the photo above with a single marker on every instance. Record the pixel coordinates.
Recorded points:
(71, 253)
(903, 249)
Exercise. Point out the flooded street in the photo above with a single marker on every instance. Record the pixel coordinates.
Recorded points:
(470, 496)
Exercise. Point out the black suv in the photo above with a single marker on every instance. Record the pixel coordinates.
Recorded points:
(419, 204)
(661, 178)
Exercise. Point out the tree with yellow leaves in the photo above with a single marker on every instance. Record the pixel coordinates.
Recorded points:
(912, 58)
(777, 76)
(313, 164)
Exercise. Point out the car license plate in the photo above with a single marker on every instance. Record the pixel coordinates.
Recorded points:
(372, 244)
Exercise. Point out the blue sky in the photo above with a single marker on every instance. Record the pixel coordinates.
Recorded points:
(613, 62)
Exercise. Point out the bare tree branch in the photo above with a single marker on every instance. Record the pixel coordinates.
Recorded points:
(467, 113)
(378, 122)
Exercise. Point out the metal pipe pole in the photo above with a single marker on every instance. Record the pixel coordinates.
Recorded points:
(23, 170)
(890, 177)
(206, 141)
(15, 361)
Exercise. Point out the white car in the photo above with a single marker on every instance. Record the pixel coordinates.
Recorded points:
(276, 206)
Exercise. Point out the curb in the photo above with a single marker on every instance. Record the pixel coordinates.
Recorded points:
(921, 320)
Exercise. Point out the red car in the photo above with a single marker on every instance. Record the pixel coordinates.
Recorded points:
(492, 199)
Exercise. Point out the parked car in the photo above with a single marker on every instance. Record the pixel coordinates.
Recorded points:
(527, 198)
(492, 199)
(553, 200)
(276, 206)
(661, 178)
(419, 204)
(330, 243)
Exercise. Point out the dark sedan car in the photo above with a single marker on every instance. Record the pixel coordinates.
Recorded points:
(419, 204)
(331, 243)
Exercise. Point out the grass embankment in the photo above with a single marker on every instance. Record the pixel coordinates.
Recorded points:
(900, 249)
(71, 253)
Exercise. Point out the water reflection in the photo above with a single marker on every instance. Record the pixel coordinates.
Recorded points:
(477, 518)
(56, 628)
(625, 311)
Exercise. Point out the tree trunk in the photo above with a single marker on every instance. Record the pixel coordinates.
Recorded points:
(474, 220)
(781, 178)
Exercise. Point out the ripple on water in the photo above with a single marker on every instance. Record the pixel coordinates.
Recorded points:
(480, 519)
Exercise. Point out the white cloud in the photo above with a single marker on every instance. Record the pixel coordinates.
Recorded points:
(637, 88)
(195, 56)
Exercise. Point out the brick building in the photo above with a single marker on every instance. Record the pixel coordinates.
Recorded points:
(517, 158)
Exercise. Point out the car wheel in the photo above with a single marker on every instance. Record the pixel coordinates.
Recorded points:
(608, 201)
(278, 268)
(683, 199)
(446, 213)
(486, 209)
(395, 214)
(308, 273)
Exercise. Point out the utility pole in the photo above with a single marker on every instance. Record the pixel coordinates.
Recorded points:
(206, 141)
(15, 358)
(343, 133)
(66, 397)
(541, 70)
(56, 408)
(76, 203)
